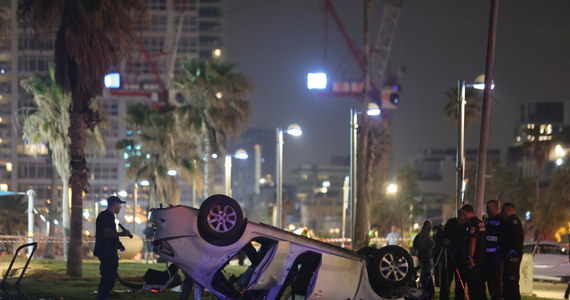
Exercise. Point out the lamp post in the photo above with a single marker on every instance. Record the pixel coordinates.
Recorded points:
(460, 183)
(373, 110)
(294, 130)
(240, 154)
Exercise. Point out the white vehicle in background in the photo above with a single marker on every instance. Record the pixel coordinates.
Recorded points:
(283, 265)
(550, 261)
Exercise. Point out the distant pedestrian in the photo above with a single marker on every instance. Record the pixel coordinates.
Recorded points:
(372, 237)
(512, 252)
(493, 259)
(474, 254)
(148, 236)
(106, 245)
(394, 237)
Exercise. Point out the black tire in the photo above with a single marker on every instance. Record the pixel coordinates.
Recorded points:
(390, 267)
(367, 251)
(220, 220)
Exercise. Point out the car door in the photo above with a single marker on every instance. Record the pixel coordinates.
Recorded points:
(269, 272)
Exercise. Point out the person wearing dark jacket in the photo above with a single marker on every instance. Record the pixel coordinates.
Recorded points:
(106, 245)
(423, 245)
(494, 260)
(512, 252)
(474, 254)
(453, 239)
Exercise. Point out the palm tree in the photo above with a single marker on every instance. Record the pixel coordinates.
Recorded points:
(215, 105)
(163, 142)
(472, 106)
(91, 36)
(48, 123)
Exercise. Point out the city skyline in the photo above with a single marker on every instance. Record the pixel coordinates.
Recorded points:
(438, 43)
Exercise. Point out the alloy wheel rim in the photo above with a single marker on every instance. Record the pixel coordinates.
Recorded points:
(222, 218)
(393, 268)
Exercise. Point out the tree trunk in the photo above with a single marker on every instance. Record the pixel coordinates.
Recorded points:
(207, 157)
(65, 216)
(537, 181)
(79, 181)
(361, 223)
(52, 215)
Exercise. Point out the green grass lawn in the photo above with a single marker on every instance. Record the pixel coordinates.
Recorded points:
(46, 279)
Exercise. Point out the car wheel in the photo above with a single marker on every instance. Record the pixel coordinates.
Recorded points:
(367, 251)
(390, 267)
(220, 220)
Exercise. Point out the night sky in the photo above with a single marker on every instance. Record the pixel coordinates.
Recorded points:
(276, 43)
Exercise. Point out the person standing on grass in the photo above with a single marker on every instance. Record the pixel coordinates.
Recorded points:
(512, 252)
(474, 247)
(106, 245)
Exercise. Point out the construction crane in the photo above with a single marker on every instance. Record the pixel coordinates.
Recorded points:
(162, 89)
(385, 86)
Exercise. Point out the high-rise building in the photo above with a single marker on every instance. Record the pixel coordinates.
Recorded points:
(179, 29)
(546, 123)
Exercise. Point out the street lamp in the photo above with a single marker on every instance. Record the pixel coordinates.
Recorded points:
(294, 130)
(240, 154)
(373, 110)
(460, 183)
(392, 189)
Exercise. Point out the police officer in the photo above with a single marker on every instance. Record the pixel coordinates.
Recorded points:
(493, 259)
(474, 254)
(453, 240)
(106, 245)
(511, 244)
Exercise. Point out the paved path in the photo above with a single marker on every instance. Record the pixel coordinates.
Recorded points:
(549, 290)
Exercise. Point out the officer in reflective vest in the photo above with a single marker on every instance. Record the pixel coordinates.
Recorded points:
(493, 259)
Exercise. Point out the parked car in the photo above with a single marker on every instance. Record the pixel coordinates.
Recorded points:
(283, 265)
(550, 261)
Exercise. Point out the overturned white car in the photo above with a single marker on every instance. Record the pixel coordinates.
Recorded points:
(283, 265)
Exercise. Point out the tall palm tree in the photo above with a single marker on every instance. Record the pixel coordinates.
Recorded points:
(472, 106)
(48, 123)
(163, 142)
(215, 105)
(91, 36)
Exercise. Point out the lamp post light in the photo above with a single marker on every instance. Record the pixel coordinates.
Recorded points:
(294, 130)
(240, 154)
(460, 183)
(373, 110)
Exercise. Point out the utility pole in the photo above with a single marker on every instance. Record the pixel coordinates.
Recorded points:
(486, 110)
(361, 223)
